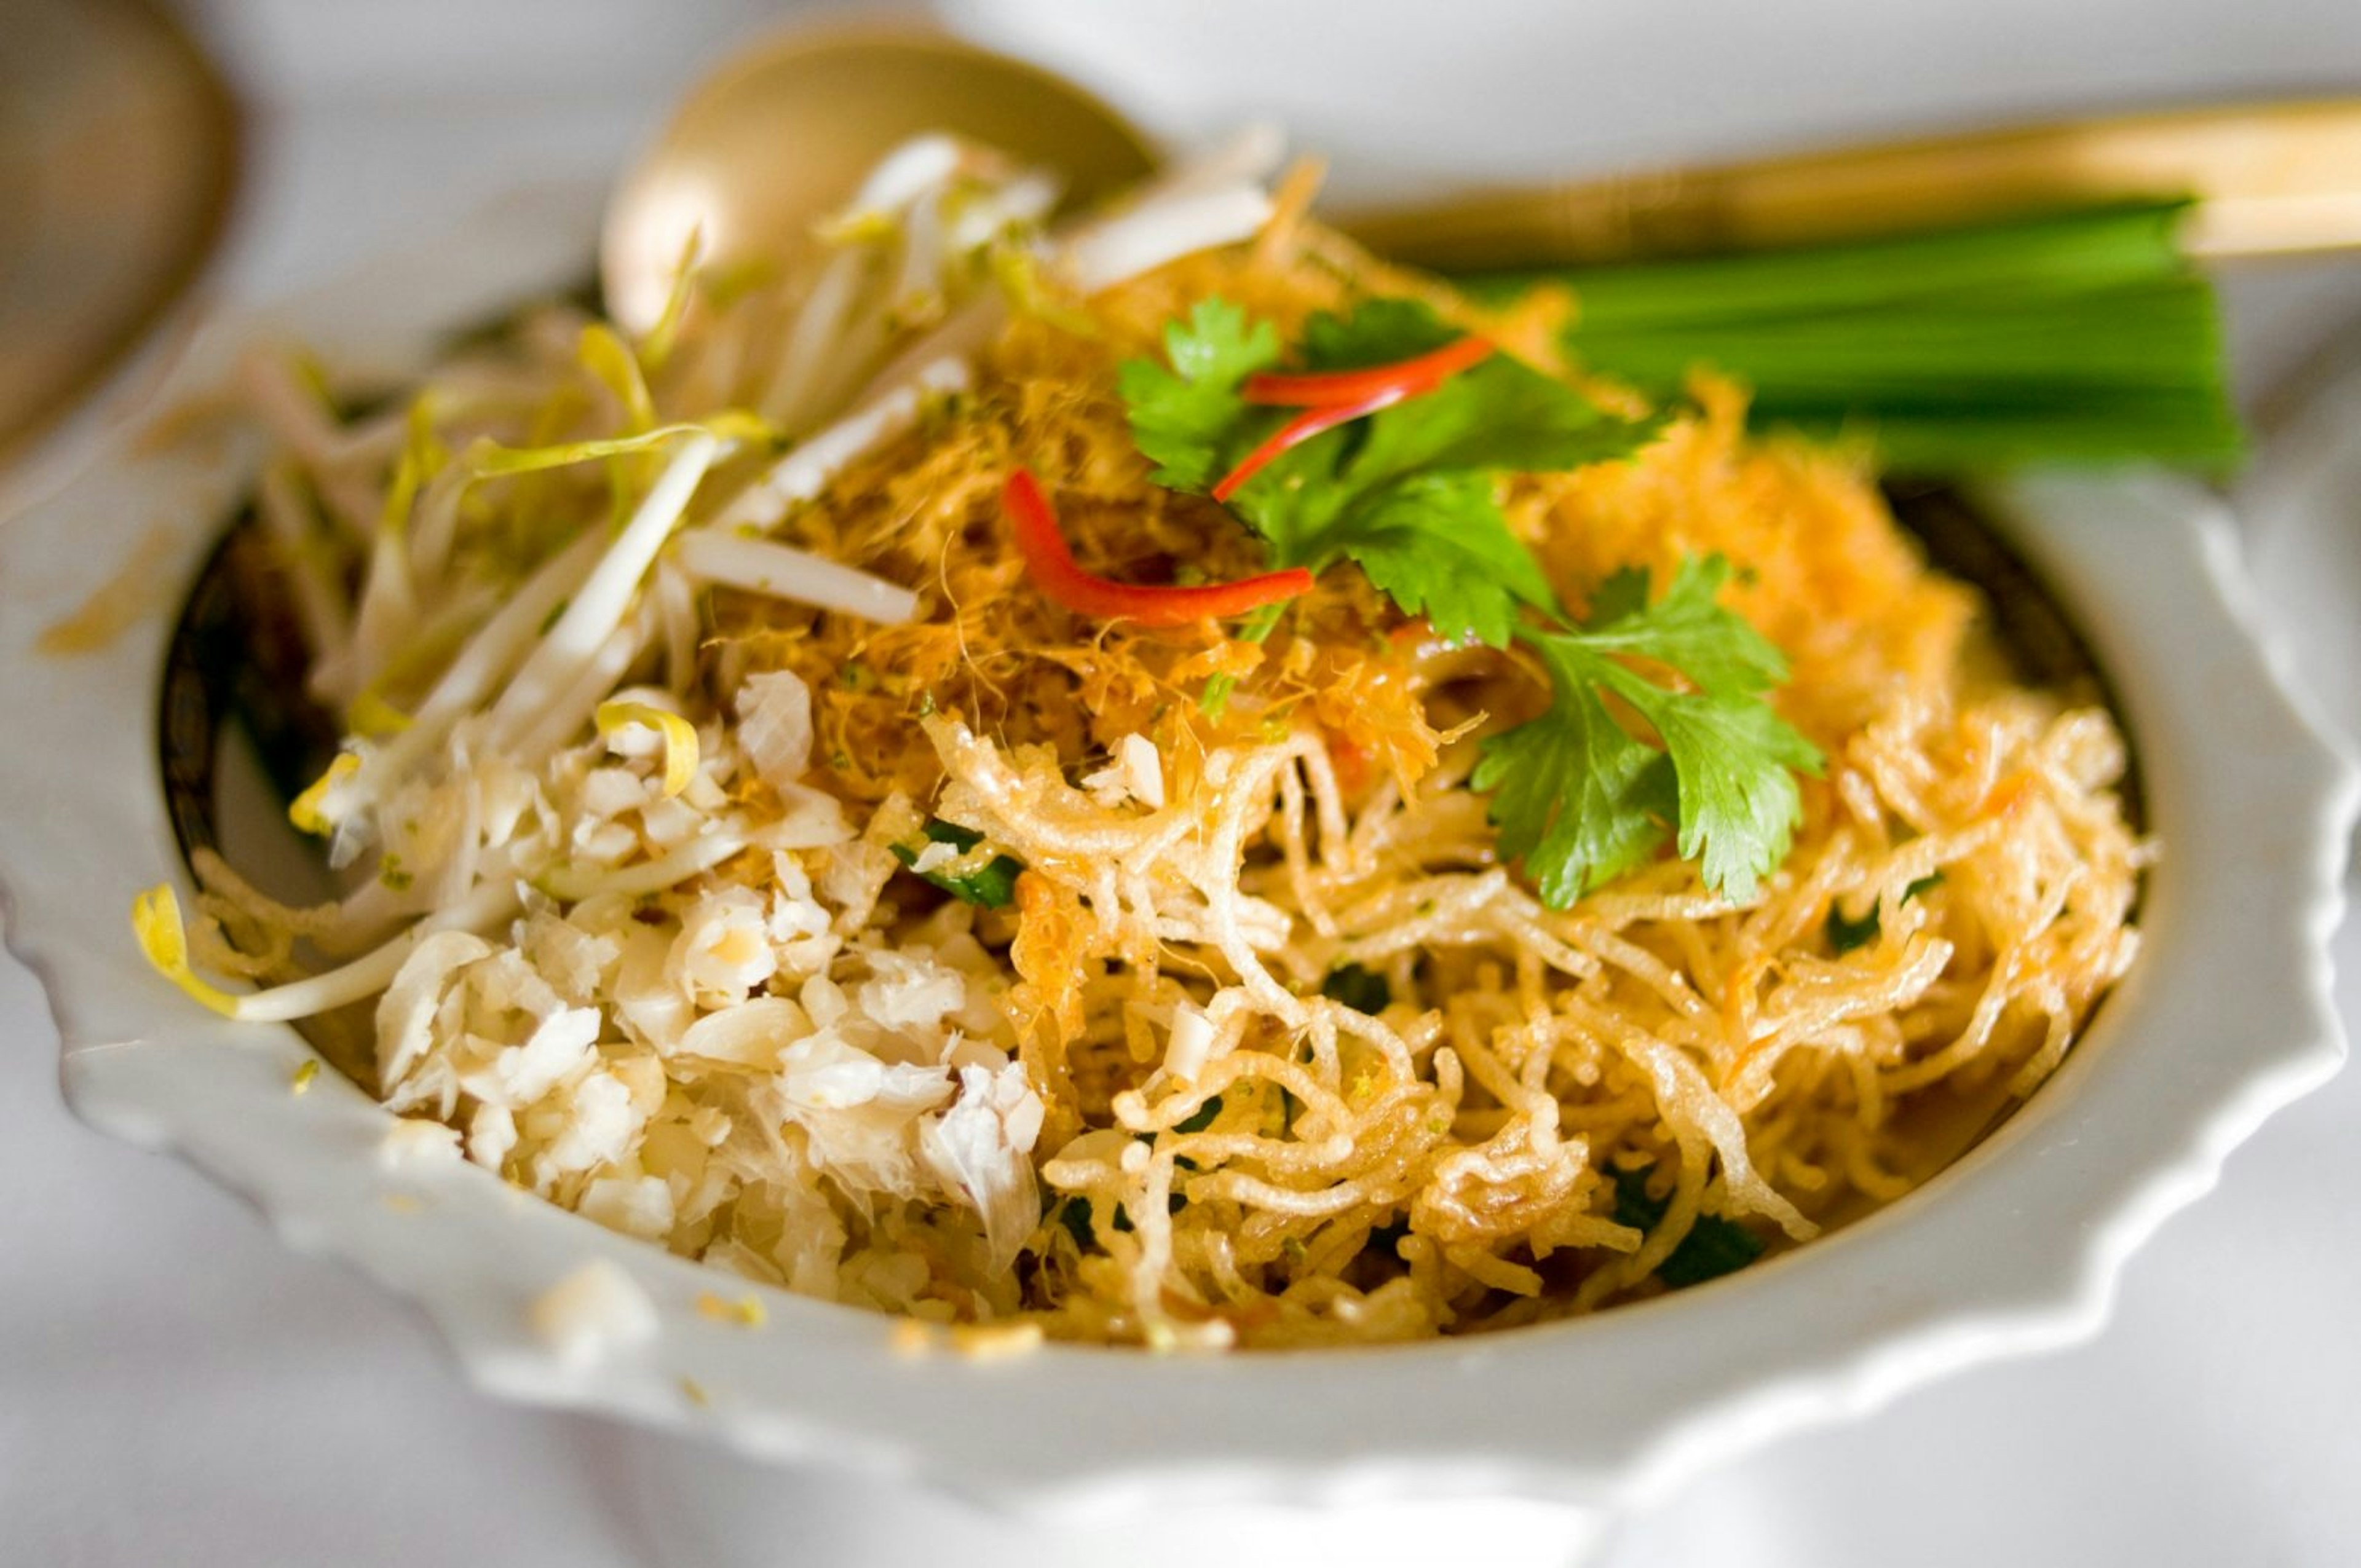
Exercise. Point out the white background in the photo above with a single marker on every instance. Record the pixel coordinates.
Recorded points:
(175, 1389)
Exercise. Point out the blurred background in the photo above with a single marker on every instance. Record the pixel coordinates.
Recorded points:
(175, 1388)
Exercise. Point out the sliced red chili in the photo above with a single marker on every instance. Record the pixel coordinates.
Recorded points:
(1331, 398)
(1306, 425)
(1422, 373)
(1054, 569)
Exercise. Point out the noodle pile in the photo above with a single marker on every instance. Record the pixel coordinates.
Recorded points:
(1268, 1049)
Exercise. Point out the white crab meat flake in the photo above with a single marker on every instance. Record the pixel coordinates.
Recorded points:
(754, 1034)
(556, 1050)
(724, 948)
(909, 992)
(610, 792)
(1135, 773)
(1143, 770)
(413, 1142)
(599, 1125)
(774, 725)
(405, 1013)
(491, 1134)
(637, 1206)
(592, 1313)
(647, 1001)
(979, 1151)
(934, 858)
(801, 930)
(825, 1074)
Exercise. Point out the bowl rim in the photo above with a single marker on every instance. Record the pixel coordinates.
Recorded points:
(2014, 1249)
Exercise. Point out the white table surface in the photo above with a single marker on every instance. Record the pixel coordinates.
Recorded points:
(175, 1389)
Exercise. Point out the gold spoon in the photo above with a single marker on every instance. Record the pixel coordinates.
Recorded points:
(783, 132)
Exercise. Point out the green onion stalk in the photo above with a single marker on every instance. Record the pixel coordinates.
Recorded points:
(2084, 336)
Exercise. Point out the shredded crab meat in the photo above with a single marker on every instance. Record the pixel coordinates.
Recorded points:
(743, 854)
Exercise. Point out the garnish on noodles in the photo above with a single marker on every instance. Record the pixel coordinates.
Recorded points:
(1156, 779)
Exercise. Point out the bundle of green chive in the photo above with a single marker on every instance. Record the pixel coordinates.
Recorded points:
(2082, 337)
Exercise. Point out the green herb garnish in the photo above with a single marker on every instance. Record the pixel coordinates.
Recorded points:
(992, 886)
(1173, 1203)
(2078, 336)
(1714, 1247)
(1199, 1119)
(1407, 495)
(1182, 417)
(1846, 934)
(1362, 991)
(1581, 800)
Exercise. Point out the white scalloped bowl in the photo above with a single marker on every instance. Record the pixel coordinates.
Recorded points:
(2224, 1019)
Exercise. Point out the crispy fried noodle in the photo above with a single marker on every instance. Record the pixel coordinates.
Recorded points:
(758, 844)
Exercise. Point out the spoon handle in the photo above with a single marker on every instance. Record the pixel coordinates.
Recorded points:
(2271, 178)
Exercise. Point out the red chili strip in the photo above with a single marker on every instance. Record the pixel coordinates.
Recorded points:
(1318, 389)
(1053, 568)
(1306, 425)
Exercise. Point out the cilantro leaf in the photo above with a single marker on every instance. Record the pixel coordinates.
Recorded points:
(1735, 759)
(1406, 494)
(1576, 798)
(1379, 331)
(1581, 800)
(1687, 629)
(1436, 544)
(1500, 413)
(1623, 594)
(1184, 419)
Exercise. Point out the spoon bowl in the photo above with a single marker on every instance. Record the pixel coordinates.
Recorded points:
(783, 134)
